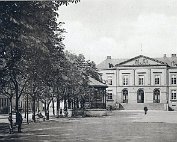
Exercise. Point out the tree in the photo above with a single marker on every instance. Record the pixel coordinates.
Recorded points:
(25, 28)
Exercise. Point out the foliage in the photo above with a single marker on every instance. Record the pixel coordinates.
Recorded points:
(32, 54)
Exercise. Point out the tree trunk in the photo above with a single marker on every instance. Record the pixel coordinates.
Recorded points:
(38, 106)
(74, 103)
(69, 103)
(45, 107)
(58, 106)
(16, 99)
(10, 100)
(77, 103)
(53, 105)
(47, 111)
(33, 109)
(27, 108)
(65, 104)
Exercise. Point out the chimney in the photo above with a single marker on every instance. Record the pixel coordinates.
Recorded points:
(108, 57)
(173, 55)
(164, 55)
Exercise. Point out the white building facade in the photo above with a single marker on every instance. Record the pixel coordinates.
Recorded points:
(141, 81)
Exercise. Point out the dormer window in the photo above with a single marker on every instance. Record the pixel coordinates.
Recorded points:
(111, 65)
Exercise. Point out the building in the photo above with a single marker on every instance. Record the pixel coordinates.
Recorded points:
(97, 95)
(4, 104)
(141, 81)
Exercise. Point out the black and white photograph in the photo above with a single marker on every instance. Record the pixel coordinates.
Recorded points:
(88, 71)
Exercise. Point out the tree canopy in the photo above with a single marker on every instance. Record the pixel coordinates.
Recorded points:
(32, 56)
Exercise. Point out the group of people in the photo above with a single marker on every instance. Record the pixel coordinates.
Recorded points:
(19, 120)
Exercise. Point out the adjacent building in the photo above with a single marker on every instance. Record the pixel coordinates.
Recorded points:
(141, 81)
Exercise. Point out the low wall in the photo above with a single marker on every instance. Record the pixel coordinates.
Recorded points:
(95, 112)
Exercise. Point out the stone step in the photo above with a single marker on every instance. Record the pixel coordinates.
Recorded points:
(140, 106)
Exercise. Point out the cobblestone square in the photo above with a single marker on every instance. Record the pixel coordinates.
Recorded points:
(119, 126)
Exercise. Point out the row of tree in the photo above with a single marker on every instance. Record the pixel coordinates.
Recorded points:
(32, 57)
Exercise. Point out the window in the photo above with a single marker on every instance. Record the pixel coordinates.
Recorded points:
(173, 79)
(157, 79)
(109, 96)
(173, 94)
(125, 80)
(141, 80)
(109, 80)
(125, 96)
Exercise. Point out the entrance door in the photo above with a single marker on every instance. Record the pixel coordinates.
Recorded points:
(125, 96)
(156, 96)
(140, 96)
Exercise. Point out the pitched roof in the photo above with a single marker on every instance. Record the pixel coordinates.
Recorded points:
(153, 59)
(95, 83)
(168, 60)
(105, 63)
(163, 60)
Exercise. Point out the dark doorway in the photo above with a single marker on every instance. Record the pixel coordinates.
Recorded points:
(156, 96)
(140, 96)
(125, 96)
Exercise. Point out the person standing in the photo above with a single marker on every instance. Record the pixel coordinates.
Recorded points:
(19, 121)
(145, 110)
(10, 123)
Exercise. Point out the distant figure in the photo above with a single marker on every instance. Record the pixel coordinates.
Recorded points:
(19, 121)
(110, 108)
(10, 123)
(145, 110)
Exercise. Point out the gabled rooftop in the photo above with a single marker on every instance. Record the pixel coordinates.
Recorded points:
(110, 63)
(95, 83)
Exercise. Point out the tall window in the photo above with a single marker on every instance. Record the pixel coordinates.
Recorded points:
(109, 80)
(157, 79)
(173, 94)
(125, 80)
(109, 95)
(141, 79)
(173, 79)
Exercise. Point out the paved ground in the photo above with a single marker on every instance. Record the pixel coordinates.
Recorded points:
(120, 126)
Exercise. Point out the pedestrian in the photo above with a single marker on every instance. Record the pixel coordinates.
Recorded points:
(19, 121)
(145, 110)
(10, 123)
(110, 108)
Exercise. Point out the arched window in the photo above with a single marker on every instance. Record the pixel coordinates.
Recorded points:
(125, 96)
(156, 96)
(140, 96)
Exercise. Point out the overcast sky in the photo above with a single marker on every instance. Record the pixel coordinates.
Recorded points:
(98, 28)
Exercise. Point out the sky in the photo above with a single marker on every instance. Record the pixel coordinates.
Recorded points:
(120, 28)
